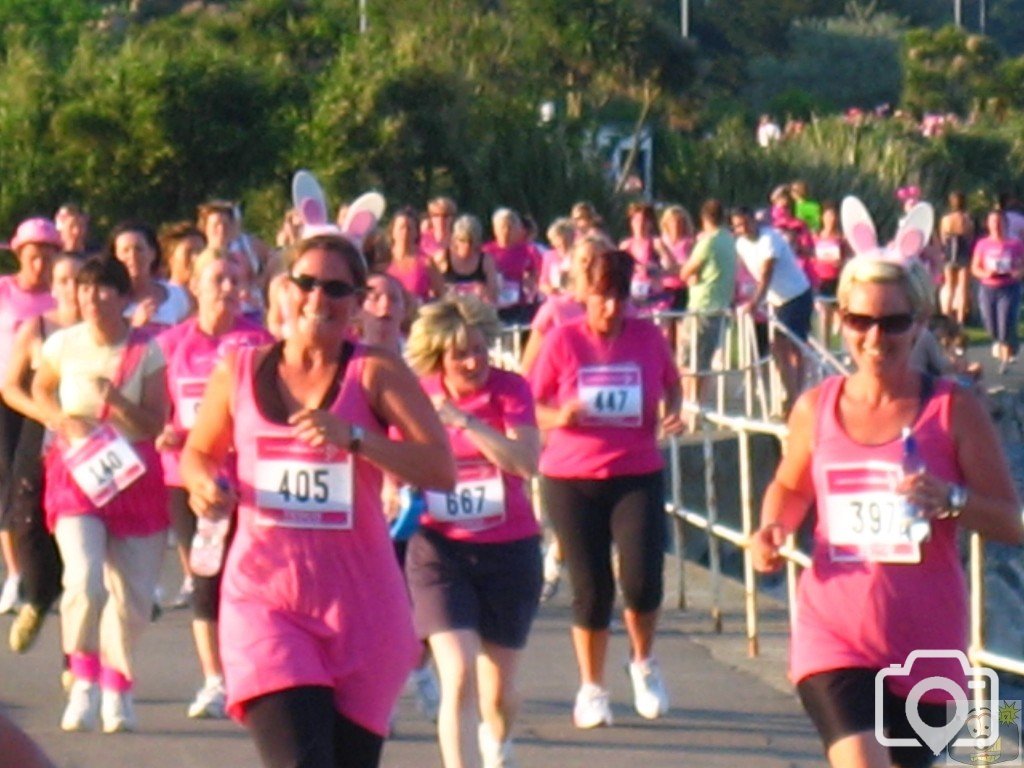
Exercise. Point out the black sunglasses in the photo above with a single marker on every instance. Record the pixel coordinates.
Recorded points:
(899, 323)
(336, 289)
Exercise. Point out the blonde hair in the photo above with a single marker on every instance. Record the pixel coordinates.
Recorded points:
(911, 277)
(445, 324)
(563, 228)
(677, 211)
(203, 259)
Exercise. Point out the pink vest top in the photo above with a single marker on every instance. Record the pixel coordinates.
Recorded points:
(337, 567)
(872, 614)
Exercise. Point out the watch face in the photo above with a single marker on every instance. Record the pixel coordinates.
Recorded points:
(957, 497)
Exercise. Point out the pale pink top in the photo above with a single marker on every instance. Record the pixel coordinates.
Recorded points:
(191, 357)
(308, 606)
(514, 264)
(504, 401)
(413, 275)
(638, 357)
(17, 306)
(997, 258)
(871, 614)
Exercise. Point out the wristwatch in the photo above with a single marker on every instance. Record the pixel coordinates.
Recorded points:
(957, 500)
(355, 438)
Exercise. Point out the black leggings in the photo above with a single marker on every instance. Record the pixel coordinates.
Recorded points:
(206, 589)
(38, 558)
(590, 515)
(300, 728)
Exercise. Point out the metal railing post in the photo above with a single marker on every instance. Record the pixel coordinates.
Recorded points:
(714, 546)
(747, 516)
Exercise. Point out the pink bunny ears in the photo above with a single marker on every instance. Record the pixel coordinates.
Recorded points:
(360, 218)
(903, 194)
(911, 238)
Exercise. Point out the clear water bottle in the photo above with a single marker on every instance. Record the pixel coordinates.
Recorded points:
(207, 553)
(918, 527)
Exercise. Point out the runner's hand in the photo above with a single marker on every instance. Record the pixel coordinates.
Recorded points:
(316, 427)
(213, 498)
(765, 544)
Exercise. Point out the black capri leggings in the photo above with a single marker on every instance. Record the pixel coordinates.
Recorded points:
(588, 517)
(300, 728)
(206, 594)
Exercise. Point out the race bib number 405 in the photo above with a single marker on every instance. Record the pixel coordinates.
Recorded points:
(865, 514)
(104, 465)
(478, 500)
(298, 486)
(612, 395)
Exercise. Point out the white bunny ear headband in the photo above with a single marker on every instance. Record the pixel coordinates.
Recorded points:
(913, 235)
(361, 216)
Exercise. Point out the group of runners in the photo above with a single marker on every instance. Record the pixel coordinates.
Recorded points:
(319, 432)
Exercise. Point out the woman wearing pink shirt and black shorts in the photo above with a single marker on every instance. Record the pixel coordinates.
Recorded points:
(316, 636)
(599, 382)
(885, 582)
(474, 566)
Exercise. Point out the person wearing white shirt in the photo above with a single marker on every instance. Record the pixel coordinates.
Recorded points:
(782, 284)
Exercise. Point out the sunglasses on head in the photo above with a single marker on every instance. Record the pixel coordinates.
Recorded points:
(336, 289)
(899, 323)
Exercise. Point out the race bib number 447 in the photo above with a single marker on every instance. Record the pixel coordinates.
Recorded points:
(866, 520)
(612, 395)
(298, 486)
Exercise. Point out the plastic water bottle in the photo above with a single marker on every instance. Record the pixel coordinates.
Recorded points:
(207, 553)
(918, 527)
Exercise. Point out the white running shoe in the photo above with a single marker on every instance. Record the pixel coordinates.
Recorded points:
(649, 695)
(118, 712)
(552, 574)
(184, 597)
(425, 689)
(83, 707)
(10, 594)
(495, 754)
(210, 702)
(592, 707)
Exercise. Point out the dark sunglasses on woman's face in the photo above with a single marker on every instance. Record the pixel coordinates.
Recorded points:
(899, 323)
(336, 289)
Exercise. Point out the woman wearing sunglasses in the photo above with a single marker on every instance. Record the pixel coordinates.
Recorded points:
(316, 636)
(885, 578)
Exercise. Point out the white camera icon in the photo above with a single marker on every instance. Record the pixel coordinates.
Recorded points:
(937, 738)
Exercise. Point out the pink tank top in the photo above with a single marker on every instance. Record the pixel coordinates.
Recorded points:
(312, 544)
(853, 611)
(191, 356)
(415, 277)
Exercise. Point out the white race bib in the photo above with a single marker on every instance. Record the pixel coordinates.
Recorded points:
(865, 513)
(190, 395)
(612, 395)
(478, 500)
(508, 291)
(828, 252)
(103, 464)
(298, 486)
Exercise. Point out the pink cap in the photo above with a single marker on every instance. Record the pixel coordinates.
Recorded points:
(38, 230)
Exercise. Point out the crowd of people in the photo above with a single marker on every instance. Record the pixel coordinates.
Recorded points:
(346, 470)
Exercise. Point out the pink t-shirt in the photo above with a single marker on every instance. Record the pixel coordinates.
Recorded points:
(641, 249)
(17, 306)
(828, 257)
(413, 275)
(622, 381)
(857, 612)
(679, 252)
(492, 504)
(312, 593)
(556, 311)
(513, 262)
(191, 357)
(998, 258)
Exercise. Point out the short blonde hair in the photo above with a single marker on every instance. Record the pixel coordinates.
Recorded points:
(563, 228)
(911, 277)
(468, 225)
(205, 258)
(445, 324)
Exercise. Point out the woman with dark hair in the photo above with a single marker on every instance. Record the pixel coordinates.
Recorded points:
(315, 633)
(407, 264)
(153, 302)
(998, 265)
(645, 248)
(956, 235)
(599, 382)
(100, 387)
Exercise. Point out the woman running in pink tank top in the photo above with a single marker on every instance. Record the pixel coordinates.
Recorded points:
(316, 634)
(885, 583)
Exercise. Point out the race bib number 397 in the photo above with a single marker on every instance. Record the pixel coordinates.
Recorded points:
(298, 486)
(866, 520)
(612, 395)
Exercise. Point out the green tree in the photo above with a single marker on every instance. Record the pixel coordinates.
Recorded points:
(948, 70)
